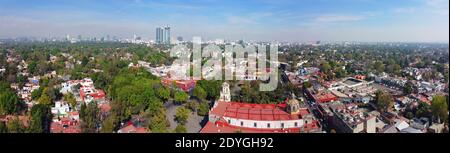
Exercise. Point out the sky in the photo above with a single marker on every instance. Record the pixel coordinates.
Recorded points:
(259, 20)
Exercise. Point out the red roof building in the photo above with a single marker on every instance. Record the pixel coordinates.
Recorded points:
(89, 94)
(360, 77)
(65, 125)
(230, 117)
(321, 96)
(185, 85)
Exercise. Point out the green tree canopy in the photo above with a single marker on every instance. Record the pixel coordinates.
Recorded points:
(180, 129)
(439, 108)
(181, 96)
(69, 98)
(163, 93)
(40, 119)
(45, 100)
(9, 103)
(199, 93)
(182, 115)
(384, 101)
(203, 109)
(16, 126)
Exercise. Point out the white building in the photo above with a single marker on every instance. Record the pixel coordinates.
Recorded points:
(61, 109)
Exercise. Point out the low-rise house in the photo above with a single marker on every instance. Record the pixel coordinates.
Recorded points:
(185, 85)
(61, 109)
(65, 125)
(421, 124)
(351, 119)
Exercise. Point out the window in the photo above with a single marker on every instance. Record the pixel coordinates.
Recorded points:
(268, 125)
(282, 125)
(255, 125)
(242, 123)
(229, 121)
(296, 124)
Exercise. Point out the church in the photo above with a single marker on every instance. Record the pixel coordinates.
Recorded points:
(233, 117)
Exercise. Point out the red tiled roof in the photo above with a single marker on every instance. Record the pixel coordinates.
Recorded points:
(184, 85)
(324, 98)
(132, 129)
(265, 112)
(58, 128)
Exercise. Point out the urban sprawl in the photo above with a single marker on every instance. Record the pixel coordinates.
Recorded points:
(113, 85)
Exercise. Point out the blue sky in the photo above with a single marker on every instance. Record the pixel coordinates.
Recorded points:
(283, 20)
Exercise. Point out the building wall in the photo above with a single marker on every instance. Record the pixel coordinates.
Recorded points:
(263, 124)
(371, 125)
(342, 127)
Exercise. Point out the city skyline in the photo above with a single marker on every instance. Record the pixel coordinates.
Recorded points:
(263, 20)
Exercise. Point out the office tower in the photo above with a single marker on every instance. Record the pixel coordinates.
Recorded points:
(167, 35)
(159, 35)
(163, 35)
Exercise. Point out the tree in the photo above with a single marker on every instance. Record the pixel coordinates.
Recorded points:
(423, 110)
(211, 87)
(36, 94)
(84, 61)
(384, 101)
(40, 119)
(32, 67)
(439, 108)
(307, 84)
(182, 115)
(69, 98)
(15, 126)
(180, 129)
(181, 97)
(158, 123)
(379, 66)
(340, 73)
(409, 115)
(325, 67)
(163, 93)
(192, 105)
(3, 128)
(408, 89)
(45, 100)
(90, 118)
(53, 93)
(83, 112)
(199, 93)
(108, 125)
(203, 109)
(158, 120)
(9, 103)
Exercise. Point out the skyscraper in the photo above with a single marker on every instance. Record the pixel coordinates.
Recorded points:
(163, 35)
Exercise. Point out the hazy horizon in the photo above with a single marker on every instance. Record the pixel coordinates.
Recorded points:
(259, 20)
